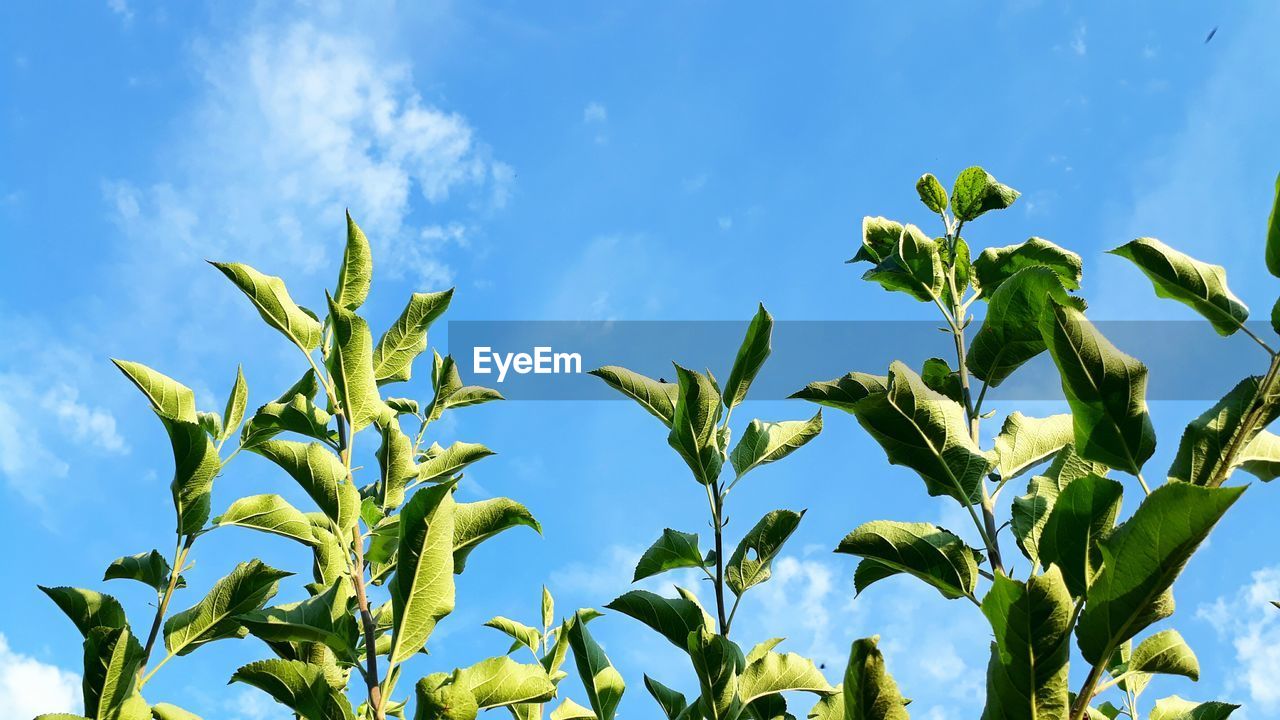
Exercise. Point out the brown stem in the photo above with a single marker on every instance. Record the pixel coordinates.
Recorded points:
(357, 581)
(179, 558)
(366, 621)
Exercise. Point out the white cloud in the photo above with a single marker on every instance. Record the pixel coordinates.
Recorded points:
(121, 8)
(1252, 624)
(29, 687)
(294, 124)
(599, 283)
(43, 423)
(1078, 45)
(725, 222)
(594, 112)
(256, 705)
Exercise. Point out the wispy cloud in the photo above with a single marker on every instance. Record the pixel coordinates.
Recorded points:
(1078, 44)
(294, 124)
(594, 112)
(1252, 624)
(121, 8)
(29, 687)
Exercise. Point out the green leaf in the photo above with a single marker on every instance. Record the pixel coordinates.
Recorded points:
(268, 513)
(1025, 442)
(478, 521)
(1198, 285)
(1165, 653)
(671, 702)
(914, 267)
(1010, 334)
(1261, 457)
(301, 687)
(395, 464)
(165, 711)
(1142, 558)
(976, 192)
(294, 411)
(247, 588)
(1218, 440)
(673, 618)
(843, 393)
(324, 618)
(930, 553)
(766, 442)
(1084, 513)
(440, 464)
(149, 568)
(673, 550)
(548, 608)
(406, 339)
(1175, 708)
(759, 649)
(1027, 677)
(422, 590)
(603, 683)
(502, 681)
(237, 400)
(869, 691)
(752, 561)
(879, 239)
(940, 378)
(269, 295)
(570, 710)
(351, 367)
(996, 265)
(957, 257)
(719, 663)
(195, 465)
(521, 633)
(1105, 388)
(751, 356)
(86, 608)
(356, 272)
(1029, 514)
(195, 458)
(440, 699)
(659, 398)
(330, 556)
(1273, 234)
(112, 657)
(168, 397)
(931, 192)
(403, 406)
(693, 426)
(211, 423)
(927, 432)
(321, 474)
(778, 672)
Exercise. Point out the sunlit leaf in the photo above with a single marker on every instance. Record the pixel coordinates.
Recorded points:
(869, 691)
(977, 192)
(1082, 515)
(269, 295)
(1027, 676)
(925, 551)
(752, 561)
(422, 590)
(247, 588)
(396, 350)
(751, 356)
(1105, 388)
(673, 550)
(320, 474)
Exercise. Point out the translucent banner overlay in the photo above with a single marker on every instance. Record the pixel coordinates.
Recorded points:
(549, 360)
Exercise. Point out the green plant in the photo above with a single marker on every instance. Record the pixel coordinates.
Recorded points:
(1087, 576)
(402, 534)
(697, 411)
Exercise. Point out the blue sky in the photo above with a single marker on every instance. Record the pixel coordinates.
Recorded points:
(584, 161)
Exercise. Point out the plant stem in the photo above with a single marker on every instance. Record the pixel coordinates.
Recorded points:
(956, 320)
(180, 552)
(345, 442)
(1261, 405)
(1087, 691)
(716, 498)
(1257, 339)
